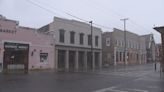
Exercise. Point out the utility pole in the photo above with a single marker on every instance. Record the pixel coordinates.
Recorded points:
(125, 47)
(91, 42)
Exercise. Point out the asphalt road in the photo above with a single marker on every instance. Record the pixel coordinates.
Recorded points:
(138, 78)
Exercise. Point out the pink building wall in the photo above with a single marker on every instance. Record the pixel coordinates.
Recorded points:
(38, 43)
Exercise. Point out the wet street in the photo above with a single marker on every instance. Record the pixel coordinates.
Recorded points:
(138, 78)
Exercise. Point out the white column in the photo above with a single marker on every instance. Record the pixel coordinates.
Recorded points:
(126, 62)
(122, 56)
(77, 60)
(115, 49)
(67, 60)
(118, 56)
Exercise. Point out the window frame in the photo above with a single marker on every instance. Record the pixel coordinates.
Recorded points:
(72, 37)
(61, 35)
(97, 41)
(81, 38)
(89, 40)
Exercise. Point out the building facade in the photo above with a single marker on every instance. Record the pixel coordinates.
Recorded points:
(73, 44)
(23, 48)
(150, 47)
(158, 52)
(113, 44)
(161, 30)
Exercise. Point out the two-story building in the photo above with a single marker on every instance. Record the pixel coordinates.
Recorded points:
(115, 51)
(74, 44)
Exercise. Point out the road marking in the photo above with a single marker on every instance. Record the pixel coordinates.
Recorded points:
(153, 87)
(147, 79)
(114, 89)
(138, 90)
(109, 89)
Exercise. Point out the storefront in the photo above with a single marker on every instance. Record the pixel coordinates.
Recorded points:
(15, 57)
(23, 48)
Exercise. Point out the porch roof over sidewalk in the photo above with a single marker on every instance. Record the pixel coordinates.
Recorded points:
(159, 29)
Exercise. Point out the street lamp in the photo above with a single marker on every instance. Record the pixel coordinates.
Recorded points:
(91, 42)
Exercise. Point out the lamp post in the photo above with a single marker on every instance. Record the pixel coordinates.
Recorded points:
(91, 42)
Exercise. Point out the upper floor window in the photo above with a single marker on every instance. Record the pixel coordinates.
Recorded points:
(72, 37)
(81, 37)
(89, 40)
(61, 35)
(107, 41)
(96, 40)
(117, 42)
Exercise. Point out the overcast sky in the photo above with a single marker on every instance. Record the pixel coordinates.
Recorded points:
(142, 14)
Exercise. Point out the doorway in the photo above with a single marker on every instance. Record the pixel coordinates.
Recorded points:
(72, 60)
(61, 60)
(15, 57)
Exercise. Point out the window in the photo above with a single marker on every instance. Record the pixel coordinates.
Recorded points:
(81, 37)
(89, 40)
(72, 37)
(128, 44)
(43, 57)
(121, 43)
(61, 35)
(117, 42)
(107, 41)
(96, 40)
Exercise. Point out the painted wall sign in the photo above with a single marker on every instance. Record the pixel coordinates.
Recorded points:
(17, 46)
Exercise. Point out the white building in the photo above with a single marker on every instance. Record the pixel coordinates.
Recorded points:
(73, 44)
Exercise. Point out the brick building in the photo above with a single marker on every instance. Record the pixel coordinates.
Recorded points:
(113, 45)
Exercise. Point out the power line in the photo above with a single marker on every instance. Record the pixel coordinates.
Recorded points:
(120, 15)
(102, 26)
(67, 14)
(139, 25)
(50, 11)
